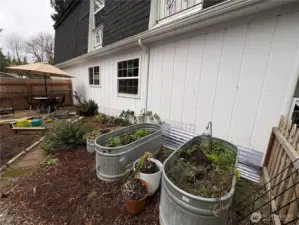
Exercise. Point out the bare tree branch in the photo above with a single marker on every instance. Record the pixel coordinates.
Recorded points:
(16, 47)
(41, 47)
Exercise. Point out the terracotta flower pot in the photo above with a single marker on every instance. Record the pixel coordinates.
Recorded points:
(136, 206)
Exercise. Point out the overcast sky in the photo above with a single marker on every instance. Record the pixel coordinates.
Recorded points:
(24, 18)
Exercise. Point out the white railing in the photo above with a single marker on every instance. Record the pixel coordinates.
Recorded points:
(170, 9)
(98, 36)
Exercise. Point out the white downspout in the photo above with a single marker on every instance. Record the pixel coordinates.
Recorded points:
(147, 51)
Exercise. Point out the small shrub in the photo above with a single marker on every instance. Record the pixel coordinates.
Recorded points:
(87, 108)
(65, 134)
(102, 118)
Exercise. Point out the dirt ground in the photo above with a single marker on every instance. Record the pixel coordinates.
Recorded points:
(11, 144)
(70, 193)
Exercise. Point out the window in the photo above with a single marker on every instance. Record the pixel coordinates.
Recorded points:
(98, 5)
(128, 76)
(94, 75)
(98, 32)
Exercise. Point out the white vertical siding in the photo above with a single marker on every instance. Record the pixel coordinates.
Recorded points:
(237, 77)
(232, 52)
(253, 67)
(106, 94)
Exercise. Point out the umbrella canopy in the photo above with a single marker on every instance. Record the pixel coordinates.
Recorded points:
(39, 69)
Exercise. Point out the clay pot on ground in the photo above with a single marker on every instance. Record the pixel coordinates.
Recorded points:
(135, 193)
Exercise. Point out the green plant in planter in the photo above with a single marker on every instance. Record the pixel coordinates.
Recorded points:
(113, 142)
(130, 173)
(142, 132)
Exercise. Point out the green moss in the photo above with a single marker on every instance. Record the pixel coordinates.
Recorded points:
(15, 173)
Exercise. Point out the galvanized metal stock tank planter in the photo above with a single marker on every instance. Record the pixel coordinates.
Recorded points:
(90, 146)
(111, 162)
(179, 207)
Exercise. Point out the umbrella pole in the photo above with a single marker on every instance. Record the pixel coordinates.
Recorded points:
(46, 89)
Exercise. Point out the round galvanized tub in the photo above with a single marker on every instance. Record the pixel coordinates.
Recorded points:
(179, 207)
(111, 162)
(90, 145)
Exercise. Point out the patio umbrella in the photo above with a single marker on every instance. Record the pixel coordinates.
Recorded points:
(39, 69)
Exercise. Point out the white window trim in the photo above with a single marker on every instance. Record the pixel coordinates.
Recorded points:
(294, 102)
(94, 85)
(125, 95)
(99, 8)
(92, 28)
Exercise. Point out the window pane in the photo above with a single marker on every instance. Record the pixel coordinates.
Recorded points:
(96, 69)
(119, 65)
(90, 75)
(130, 72)
(120, 73)
(125, 64)
(125, 73)
(130, 64)
(135, 90)
(96, 81)
(136, 63)
(135, 74)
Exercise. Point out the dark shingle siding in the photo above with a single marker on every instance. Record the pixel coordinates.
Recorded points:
(71, 35)
(123, 18)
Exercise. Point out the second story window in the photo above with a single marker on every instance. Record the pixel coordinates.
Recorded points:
(94, 75)
(98, 40)
(98, 5)
(98, 27)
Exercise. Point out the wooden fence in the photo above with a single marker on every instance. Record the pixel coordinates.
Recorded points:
(18, 91)
(281, 172)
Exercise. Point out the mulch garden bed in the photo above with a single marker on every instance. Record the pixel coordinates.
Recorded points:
(11, 143)
(70, 193)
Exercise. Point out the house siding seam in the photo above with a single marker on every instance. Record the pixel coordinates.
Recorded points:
(71, 35)
(123, 19)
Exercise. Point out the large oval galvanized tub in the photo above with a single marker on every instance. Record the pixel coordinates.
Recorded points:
(111, 162)
(179, 207)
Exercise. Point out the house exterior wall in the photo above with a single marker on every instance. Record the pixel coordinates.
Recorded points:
(106, 95)
(71, 33)
(122, 19)
(238, 77)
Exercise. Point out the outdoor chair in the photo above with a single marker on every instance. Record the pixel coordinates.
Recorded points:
(60, 102)
(51, 104)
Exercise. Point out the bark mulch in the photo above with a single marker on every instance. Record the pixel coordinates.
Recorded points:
(11, 143)
(70, 193)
